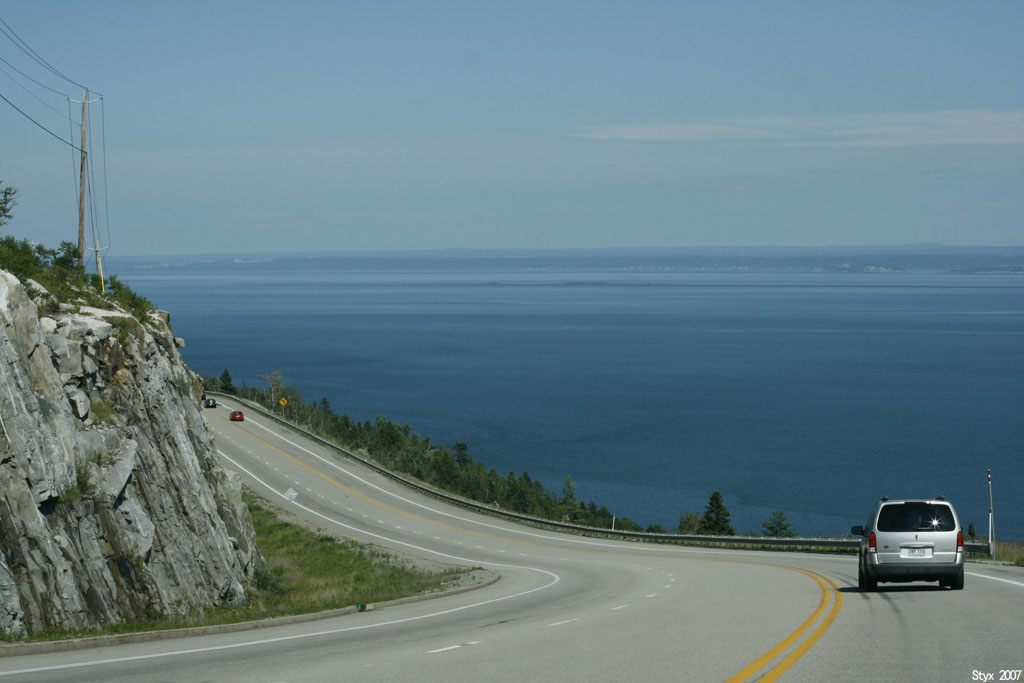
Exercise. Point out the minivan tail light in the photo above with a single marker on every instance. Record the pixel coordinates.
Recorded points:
(959, 541)
(873, 543)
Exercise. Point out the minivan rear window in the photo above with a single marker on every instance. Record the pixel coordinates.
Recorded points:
(916, 517)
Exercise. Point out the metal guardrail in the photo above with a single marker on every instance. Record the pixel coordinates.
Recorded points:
(747, 541)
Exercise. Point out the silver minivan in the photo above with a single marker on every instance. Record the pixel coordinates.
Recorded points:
(911, 540)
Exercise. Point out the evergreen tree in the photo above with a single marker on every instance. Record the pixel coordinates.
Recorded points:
(778, 526)
(716, 517)
(225, 382)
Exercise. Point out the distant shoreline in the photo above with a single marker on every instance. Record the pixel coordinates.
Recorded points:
(881, 260)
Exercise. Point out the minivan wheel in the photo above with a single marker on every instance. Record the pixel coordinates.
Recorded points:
(864, 580)
(957, 583)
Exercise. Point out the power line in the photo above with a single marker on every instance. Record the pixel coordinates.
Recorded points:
(36, 122)
(57, 92)
(24, 47)
(30, 93)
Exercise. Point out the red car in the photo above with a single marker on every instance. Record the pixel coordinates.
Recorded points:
(236, 416)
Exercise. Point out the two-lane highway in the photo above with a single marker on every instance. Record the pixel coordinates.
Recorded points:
(566, 607)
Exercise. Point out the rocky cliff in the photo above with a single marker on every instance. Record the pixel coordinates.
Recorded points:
(112, 505)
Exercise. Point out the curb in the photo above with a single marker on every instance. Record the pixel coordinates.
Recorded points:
(18, 649)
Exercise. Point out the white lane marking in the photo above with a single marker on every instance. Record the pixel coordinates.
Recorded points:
(619, 607)
(651, 595)
(555, 578)
(510, 530)
(443, 649)
(563, 623)
(996, 578)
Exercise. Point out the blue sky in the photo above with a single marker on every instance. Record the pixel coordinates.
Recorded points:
(271, 126)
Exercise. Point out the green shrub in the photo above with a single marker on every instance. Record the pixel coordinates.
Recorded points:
(57, 271)
(101, 411)
(83, 486)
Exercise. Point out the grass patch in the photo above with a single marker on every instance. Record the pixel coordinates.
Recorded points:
(309, 572)
(1010, 551)
(306, 572)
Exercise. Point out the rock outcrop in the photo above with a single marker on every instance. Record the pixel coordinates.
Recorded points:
(112, 505)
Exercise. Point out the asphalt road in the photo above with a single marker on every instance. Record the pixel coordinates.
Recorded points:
(568, 608)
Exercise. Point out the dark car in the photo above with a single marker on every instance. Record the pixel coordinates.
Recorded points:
(911, 540)
(237, 416)
(210, 403)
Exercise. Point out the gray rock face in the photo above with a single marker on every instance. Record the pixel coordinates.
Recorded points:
(112, 506)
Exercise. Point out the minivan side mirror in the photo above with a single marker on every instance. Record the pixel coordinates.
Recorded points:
(857, 531)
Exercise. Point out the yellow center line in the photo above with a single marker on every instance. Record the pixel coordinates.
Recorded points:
(811, 639)
(748, 671)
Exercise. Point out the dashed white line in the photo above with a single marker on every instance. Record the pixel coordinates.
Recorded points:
(563, 623)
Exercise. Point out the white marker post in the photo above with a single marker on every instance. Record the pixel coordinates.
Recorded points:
(991, 528)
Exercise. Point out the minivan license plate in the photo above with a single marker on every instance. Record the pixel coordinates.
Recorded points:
(917, 552)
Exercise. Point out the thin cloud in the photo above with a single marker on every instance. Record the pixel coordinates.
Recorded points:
(951, 127)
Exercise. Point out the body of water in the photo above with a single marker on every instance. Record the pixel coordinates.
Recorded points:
(811, 392)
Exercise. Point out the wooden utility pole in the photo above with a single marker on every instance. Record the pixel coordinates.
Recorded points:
(81, 194)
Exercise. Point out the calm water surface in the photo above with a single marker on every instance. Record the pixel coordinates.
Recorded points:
(815, 393)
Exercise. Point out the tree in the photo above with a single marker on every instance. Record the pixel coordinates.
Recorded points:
(971, 531)
(276, 383)
(461, 453)
(689, 524)
(6, 202)
(716, 517)
(225, 382)
(569, 502)
(778, 526)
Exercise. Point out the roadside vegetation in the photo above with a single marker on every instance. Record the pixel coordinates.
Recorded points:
(397, 448)
(306, 571)
(310, 572)
(1010, 551)
(56, 270)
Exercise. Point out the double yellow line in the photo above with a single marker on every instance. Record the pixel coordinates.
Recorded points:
(829, 590)
(829, 594)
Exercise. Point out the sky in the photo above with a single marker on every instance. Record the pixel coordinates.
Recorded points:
(247, 126)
